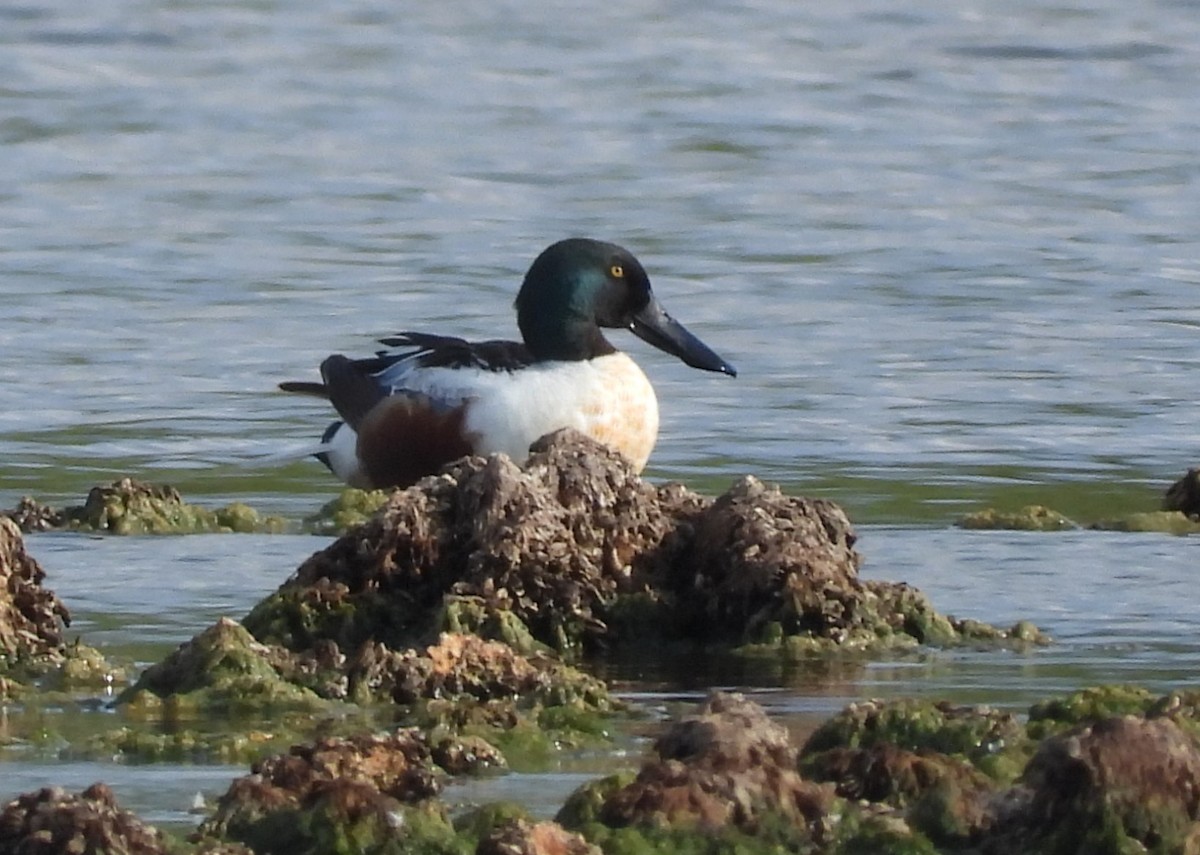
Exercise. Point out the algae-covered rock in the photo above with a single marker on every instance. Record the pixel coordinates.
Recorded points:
(979, 734)
(52, 822)
(465, 665)
(581, 555)
(724, 780)
(128, 506)
(223, 669)
(1122, 784)
(551, 544)
(945, 797)
(469, 685)
(1028, 518)
(370, 793)
(352, 507)
(1087, 705)
(727, 764)
(1164, 522)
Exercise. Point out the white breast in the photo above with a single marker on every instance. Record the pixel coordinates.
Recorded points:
(607, 398)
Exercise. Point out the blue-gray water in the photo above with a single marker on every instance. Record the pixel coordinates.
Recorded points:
(953, 250)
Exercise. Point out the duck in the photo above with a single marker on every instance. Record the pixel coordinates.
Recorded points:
(427, 400)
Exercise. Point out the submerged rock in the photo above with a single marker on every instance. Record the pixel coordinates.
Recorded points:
(1028, 518)
(127, 506)
(52, 821)
(351, 507)
(1165, 522)
(579, 553)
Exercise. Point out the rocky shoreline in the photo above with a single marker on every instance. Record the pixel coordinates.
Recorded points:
(451, 630)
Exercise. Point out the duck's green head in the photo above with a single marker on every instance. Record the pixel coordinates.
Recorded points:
(577, 286)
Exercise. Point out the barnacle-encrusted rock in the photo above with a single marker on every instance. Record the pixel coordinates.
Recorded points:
(32, 620)
(581, 554)
(52, 822)
(128, 506)
(468, 666)
(358, 791)
(725, 779)
(1116, 785)
(31, 616)
(727, 764)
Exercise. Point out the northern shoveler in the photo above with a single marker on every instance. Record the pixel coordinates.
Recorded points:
(406, 412)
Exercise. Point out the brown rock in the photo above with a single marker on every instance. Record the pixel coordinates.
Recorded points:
(885, 773)
(555, 545)
(467, 666)
(760, 555)
(359, 776)
(1100, 787)
(728, 764)
(550, 543)
(522, 837)
(53, 822)
(31, 515)
(31, 617)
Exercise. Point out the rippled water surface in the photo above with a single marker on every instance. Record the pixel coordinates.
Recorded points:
(952, 249)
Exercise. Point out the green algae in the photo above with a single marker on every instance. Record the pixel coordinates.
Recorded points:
(326, 827)
(582, 808)
(1028, 518)
(142, 745)
(130, 507)
(1164, 522)
(774, 834)
(221, 671)
(981, 735)
(350, 508)
(1087, 705)
(474, 616)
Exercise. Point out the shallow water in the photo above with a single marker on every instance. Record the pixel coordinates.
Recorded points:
(952, 250)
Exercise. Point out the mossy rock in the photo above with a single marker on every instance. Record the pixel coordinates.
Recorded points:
(350, 508)
(1028, 518)
(993, 741)
(131, 507)
(1164, 522)
(1087, 705)
(222, 670)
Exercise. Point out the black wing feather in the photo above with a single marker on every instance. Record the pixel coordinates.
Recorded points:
(441, 351)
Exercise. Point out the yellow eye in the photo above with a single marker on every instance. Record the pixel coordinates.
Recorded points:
(617, 271)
